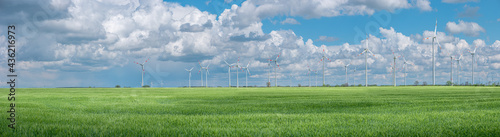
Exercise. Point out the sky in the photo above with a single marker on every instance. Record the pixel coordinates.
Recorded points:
(82, 43)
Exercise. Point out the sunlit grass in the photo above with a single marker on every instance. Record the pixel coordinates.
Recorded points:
(352, 111)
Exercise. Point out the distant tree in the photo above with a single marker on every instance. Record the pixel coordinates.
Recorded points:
(416, 83)
(146, 86)
(466, 83)
(424, 83)
(299, 85)
(268, 84)
(448, 83)
(360, 85)
(327, 85)
(117, 86)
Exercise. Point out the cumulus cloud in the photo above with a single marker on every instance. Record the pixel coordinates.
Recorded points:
(468, 28)
(290, 21)
(459, 1)
(255, 10)
(327, 39)
(470, 12)
(424, 5)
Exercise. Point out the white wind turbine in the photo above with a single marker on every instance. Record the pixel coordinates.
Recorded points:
(142, 73)
(473, 53)
(316, 77)
(458, 68)
(434, 38)
(345, 67)
(404, 67)
(323, 59)
(354, 76)
(188, 70)
(451, 68)
(366, 51)
(309, 74)
(228, 72)
(237, 65)
(247, 72)
(394, 68)
(276, 65)
(206, 73)
(201, 73)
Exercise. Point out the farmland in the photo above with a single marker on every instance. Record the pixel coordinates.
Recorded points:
(346, 111)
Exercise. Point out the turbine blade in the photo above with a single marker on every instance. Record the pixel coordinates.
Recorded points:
(435, 28)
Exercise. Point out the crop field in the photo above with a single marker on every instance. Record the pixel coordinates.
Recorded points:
(347, 111)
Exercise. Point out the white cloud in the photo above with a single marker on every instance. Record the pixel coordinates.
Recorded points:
(290, 21)
(469, 11)
(424, 5)
(459, 1)
(254, 11)
(327, 39)
(468, 28)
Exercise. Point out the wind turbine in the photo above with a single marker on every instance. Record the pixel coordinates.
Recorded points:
(404, 67)
(142, 73)
(309, 73)
(206, 77)
(201, 73)
(354, 77)
(394, 68)
(366, 51)
(237, 67)
(433, 60)
(345, 67)
(275, 74)
(275, 71)
(323, 59)
(451, 68)
(458, 68)
(473, 53)
(189, 76)
(247, 72)
(228, 72)
(316, 77)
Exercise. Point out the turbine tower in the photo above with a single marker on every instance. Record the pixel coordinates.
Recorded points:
(201, 73)
(366, 51)
(473, 53)
(394, 68)
(189, 77)
(404, 67)
(316, 77)
(237, 65)
(451, 69)
(458, 68)
(309, 74)
(247, 72)
(354, 76)
(142, 73)
(323, 59)
(275, 71)
(434, 38)
(206, 75)
(228, 72)
(345, 67)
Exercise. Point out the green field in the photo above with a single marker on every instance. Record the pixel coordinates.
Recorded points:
(351, 111)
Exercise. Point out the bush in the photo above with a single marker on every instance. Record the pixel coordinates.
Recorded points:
(448, 83)
(146, 86)
(117, 86)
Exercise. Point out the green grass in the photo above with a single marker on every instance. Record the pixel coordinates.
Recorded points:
(351, 111)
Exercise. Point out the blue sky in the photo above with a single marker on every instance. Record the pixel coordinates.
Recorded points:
(65, 43)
